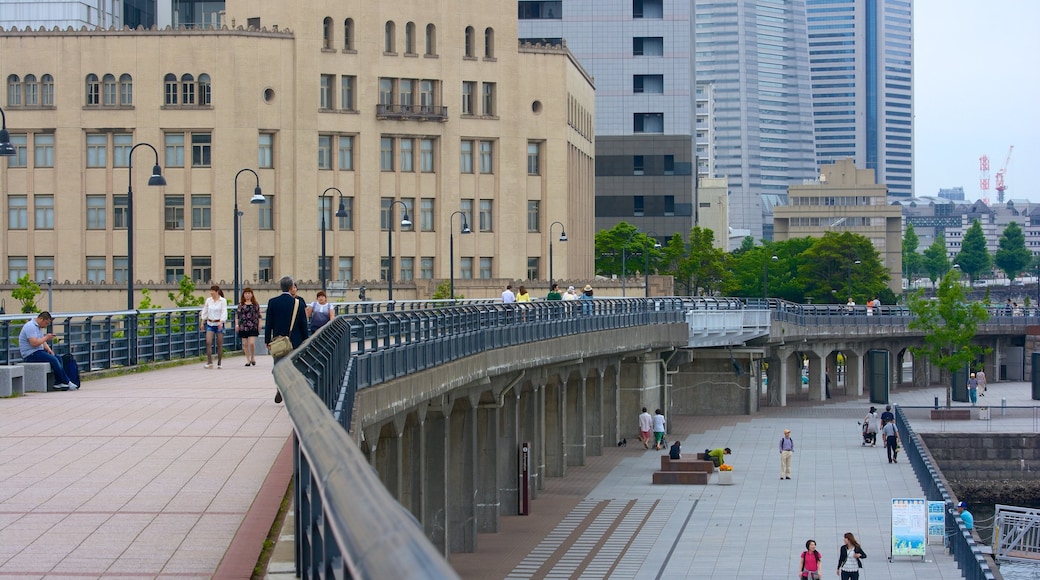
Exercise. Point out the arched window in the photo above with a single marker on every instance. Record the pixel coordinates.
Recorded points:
(187, 89)
(170, 89)
(327, 33)
(14, 91)
(431, 40)
(489, 42)
(409, 38)
(348, 34)
(93, 90)
(205, 91)
(32, 91)
(388, 36)
(469, 41)
(109, 90)
(47, 91)
(126, 90)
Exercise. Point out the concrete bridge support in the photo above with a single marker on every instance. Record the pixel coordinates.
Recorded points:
(576, 420)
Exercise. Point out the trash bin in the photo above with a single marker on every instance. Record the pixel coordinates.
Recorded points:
(984, 413)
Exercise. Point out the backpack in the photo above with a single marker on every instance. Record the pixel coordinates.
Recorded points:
(71, 368)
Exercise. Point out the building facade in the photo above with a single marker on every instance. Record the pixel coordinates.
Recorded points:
(377, 109)
(861, 59)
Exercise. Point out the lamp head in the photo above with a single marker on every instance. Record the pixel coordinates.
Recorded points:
(6, 148)
(258, 196)
(657, 245)
(405, 222)
(563, 236)
(465, 227)
(156, 180)
(342, 211)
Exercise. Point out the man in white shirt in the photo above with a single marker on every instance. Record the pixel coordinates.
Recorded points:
(507, 296)
(646, 426)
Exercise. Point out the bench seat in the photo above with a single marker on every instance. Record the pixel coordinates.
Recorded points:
(12, 380)
(686, 464)
(39, 378)
(680, 478)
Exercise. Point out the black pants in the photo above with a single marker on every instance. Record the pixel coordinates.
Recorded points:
(890, 447)
(849, 575)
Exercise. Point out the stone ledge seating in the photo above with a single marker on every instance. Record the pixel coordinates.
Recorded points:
(686, 464)
(685, 471)
(680, 477)
(12, 380)
(39, 378)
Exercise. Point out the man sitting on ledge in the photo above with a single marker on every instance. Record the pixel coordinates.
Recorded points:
(32, 343)
(717, 456)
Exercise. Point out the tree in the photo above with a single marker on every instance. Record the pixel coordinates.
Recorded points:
(26, 293)
(748, 269)
(830, 274)
(698, 266)
(936, 263)
(1012, 255)
(624, 240)
(974, 258)
(949, 324)
(912, 261)
(185, 296)
(443, 291)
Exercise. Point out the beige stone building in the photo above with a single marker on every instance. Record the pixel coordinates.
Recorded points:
(845, 199)
(433, 105)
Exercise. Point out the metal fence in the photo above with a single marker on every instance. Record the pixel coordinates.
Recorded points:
(999, 418)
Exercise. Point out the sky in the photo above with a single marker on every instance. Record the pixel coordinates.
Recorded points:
(976, 91)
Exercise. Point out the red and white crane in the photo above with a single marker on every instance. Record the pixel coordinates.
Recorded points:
(1001, 184)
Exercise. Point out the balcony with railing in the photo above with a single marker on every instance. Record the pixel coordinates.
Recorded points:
(412, 112)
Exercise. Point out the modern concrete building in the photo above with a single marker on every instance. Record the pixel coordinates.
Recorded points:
(382, 108)
(861, 59)
(756, 56)
(845, 199)
(639, 52)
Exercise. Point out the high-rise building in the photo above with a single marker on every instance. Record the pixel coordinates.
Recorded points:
(755, 55)
(861, 58)
(639, 53)
(62, 14)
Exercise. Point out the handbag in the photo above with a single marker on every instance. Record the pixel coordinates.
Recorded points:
(281, 345)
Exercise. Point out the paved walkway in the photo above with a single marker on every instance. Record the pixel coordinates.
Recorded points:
(146, 475)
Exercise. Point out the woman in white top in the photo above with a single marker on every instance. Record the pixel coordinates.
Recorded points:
(214, 316)
(320, 311)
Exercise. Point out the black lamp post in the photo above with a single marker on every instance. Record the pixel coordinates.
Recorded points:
(857, 262)
(341, 212)
(765, 273)
(646, 264)
(258, 198)
(624, 260)
(6, 149)
(451, 248)
(563, 238)
(405, 223)
(156, 180)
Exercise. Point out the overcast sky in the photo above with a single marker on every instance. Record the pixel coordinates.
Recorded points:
(977, 90)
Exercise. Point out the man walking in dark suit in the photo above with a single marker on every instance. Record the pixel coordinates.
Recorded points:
(280, 318)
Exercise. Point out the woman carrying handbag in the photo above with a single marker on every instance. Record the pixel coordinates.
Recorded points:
(810, 562)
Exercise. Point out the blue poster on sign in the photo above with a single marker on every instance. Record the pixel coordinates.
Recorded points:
(909, 526)
(936, 522)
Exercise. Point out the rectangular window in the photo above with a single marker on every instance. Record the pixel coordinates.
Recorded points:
(466, 268)
(669, 205)
(648, 84)
(324, 266)
(386, 92)
(488, 100)
(44, 268)
(265, 151)
(265, 269)
(404, 90)
(122, 143)
(346, 153)
(17, 266)
(487, 160)
(14, 94)
(647, 9)
(426, 156)
(169, 90)
(324, 151)
(426, 214)
(325, 211)
(174, 266)
(44, 143)
(532, 269)
(200, 214)
(174, 213)
(201, 268)
(466, 207)
(648, 122)
(97, 150)
(384, 213)
(96, 269)
(21, 148)
(44, 206)
(669, 164)
(386, 154)
(17, 212)
(346, 222)
(407, 268)
(648, 46)
(119, 211)
(466, 156)
(637, 205)
(201, 149)
(485, 268)
(108, 92)
(347, 86)
(384, 267)
(486, 221)
(407, 155)
(119, 269)
(638, 164)
(345, 269)
(426, 96)
(468, 88)
(534, 217)
(426, 268)
(409, 209)
(97, 209)
(174, 149)
(534, 158)
(265, 214)
(47, 91)
(325, 91)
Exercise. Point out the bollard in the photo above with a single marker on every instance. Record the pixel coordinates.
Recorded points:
(1003, 406)
(937, 402)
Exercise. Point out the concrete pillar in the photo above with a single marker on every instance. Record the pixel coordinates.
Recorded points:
(539, 437)
(413, 466)
(793, 382)
(490, 454)
(775, 381)
(595, 439)
(920, 372)
(576, 420)
(508, 464)
(854, 370)
(817, 377)
(462, 477)
(436, 435)
(895, 369)
(555, 429)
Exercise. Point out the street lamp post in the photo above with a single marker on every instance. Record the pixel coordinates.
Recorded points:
(405, 223)
(341, 212)
(258, 198)
(646, 264)
(765, 274)
(857, 262)
(624, 259)
(6, 148)
(563, 238)
(156, 180)
(451, 248)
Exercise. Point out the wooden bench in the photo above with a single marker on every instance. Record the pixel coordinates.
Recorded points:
(12, 380)
(39, 378)
(680, 478)
(951, 414)
(686, 464)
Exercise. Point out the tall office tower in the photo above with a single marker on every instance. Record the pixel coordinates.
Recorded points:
(861, 60)
(754, 52)
(59, 13)
(638, 51)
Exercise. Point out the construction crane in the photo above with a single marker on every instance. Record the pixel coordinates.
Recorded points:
(984, 177)
(1001, 185)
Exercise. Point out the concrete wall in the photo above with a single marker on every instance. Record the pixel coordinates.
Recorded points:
(989, 456)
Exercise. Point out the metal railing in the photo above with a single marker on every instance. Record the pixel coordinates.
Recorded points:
(1016, 534)
(996, 417)
(969, 557)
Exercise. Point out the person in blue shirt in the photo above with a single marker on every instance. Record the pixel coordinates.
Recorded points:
(969, 520)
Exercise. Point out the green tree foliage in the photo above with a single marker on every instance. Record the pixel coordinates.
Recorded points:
(443, 291)
(624, 240)
(829, 272)
(26, 293)
(974, 258)
(749, 268)
(698, 266)
(1012, 255)
(185, 295)
(913, 262)
(949, 323)
(935, 262)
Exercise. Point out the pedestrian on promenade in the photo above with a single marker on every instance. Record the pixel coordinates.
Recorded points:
(658, 430)
(646, 426)
(586, 307)
(786, 451)
(717, 456)
(320, 311)
(888, 415)
(891, 435)
(554, 293)
(973, 389)
(675, 452)
(849, 557)
(570, 294)
(32, 345)
(871, 425)
(969, 520)
(247, 324)
(522, 295)
(810, 561)
(981, 376)
(507, 295)
(214, 316)
(286, 316)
